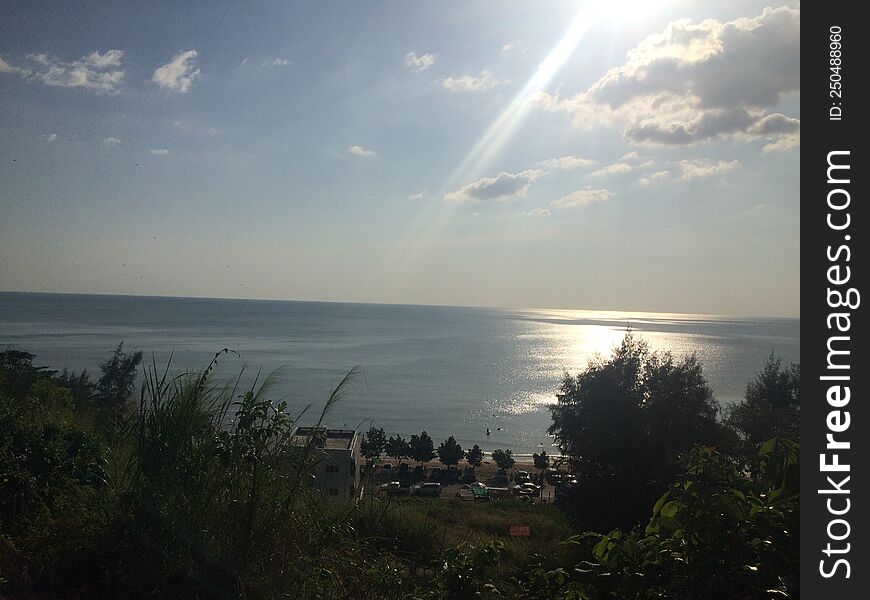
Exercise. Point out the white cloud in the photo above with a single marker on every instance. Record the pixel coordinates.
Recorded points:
(112, 58)
(784, 143)
(278, 62)
(5, 67)
(697, 81)
(419, 195)
(780, 131)
(535, 212)
(567, 163)
(49, 137)
(582, 198)
(159, 151)
(110, 142)
(697, 169)
(514, 48)
(360, 151)
(614, 169)
(96, 72)
(656, 177)
(496, 189)
(633, 155)
(419, 63)
(179, 73)
(470, 83)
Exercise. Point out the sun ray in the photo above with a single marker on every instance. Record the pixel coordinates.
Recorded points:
(431, 221)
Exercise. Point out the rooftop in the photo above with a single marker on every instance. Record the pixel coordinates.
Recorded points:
(335, 439)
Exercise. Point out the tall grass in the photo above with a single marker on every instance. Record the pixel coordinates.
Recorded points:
(209, 484)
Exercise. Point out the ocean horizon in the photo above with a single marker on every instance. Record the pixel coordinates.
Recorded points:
(450, 370)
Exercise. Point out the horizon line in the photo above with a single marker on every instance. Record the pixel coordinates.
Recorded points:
(409, 304)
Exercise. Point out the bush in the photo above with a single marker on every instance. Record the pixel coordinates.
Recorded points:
(717, 532)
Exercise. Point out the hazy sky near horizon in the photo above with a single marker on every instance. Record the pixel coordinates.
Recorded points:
(621, 155)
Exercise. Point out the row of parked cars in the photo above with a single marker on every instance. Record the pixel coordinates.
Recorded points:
(395, 488)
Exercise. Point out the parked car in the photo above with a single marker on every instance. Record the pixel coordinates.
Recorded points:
(392, 488)
(473, 491)
(555, 477)
(521, 477)
(526, 489)
(427, 489)
(465, 492)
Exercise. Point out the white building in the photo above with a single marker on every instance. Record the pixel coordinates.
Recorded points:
(337, 472)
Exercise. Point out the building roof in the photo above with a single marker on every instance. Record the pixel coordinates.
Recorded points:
(333, 439)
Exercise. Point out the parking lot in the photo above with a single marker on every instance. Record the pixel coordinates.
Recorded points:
(450, 485)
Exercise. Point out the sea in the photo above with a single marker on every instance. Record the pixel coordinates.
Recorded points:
(446, 370)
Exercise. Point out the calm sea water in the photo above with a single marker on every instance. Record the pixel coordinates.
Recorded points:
(450, 371)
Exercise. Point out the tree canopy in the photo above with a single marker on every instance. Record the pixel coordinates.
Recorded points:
(542, 460)
(374, 442)
(398, 448)
(422, 448)
(772, 404)
(118, 378)
(503, 458)
(450, 452)
(474, 456)
(625, 419)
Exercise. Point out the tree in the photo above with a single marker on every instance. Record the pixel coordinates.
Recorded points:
(474, 456)
(398, 448)
(422, 448)
(772, 404)
(542, 461)
(624, 421)
(117, 380)
(17, 372)
(374, 442)
(715, 533)
(79, 385)
(503, 458)
(450, 452)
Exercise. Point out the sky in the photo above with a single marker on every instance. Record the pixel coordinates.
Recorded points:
(619, 155)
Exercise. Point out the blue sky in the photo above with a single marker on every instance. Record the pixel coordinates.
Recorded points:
(527, 154)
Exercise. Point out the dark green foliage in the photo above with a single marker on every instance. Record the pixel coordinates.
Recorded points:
(52, 482)
(461, 573)
(42, 458)
(450, 452)
(503, 458)
(422, 448)
(79, 385)
(772, 404)
(474, 456)
(115, 386)
(542, 460)
(623, 421)
(17, 372)
(203, 496)
(716, 533)
(374, 442)
(198, 492)
(398, 448)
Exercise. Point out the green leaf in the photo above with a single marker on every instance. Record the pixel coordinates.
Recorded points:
(671, 509)
(661, 502)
